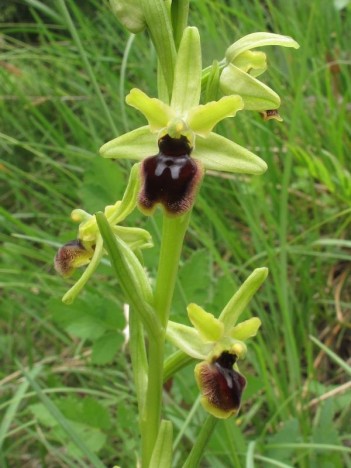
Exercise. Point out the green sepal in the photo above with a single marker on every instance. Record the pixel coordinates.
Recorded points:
(137, 144)
(187, 76)
(237, 304)
(132, 277)
(259, 39)
(130, 14)
(208, 327)
(256, 95)
(162, 452)
(203, 118)
(220, 154)
(246, 329)
(188, 340)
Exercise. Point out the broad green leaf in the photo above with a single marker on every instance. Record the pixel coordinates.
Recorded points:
(106, 348)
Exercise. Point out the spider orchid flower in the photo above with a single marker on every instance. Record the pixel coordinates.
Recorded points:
(219, 343)
(182, 131)
(88, 248)
(243, 66)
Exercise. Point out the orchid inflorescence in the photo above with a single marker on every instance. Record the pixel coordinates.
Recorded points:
(173, 152)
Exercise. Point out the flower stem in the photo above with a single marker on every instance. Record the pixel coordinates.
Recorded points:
(197, 451)
(171, 245)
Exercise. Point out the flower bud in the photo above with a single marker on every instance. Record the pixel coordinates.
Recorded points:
(71, 256)
(221, 385)
(130, 14)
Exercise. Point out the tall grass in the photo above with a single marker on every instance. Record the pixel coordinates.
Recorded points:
(62, 96)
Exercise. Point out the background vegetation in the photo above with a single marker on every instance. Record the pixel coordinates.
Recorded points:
(66, 395)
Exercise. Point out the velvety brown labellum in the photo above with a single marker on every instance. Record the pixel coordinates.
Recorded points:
(170, 177)
(70, 256)
(222, 386)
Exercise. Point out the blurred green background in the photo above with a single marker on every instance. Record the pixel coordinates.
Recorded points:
(65, 68)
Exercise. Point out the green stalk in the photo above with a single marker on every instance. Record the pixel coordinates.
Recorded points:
(197, 451)
(173, 233)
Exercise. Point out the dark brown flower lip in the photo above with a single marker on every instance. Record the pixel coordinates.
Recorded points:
(170, 178)
(221, 384)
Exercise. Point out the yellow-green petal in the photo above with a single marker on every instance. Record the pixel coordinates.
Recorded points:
(209, 328)
(220, 154)
(155, 111)
(202, 119)
(246, 329)
(256, 95)
(252, 62)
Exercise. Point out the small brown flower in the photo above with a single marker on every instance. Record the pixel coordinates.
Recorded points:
(71, 256)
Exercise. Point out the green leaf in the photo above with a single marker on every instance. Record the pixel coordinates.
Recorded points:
(87, 328)
(106, 348)
(194, 277)
(162, 453)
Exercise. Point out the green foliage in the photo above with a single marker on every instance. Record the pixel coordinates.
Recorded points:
(60, 102)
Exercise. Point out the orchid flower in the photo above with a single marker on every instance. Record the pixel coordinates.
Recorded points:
(243, 66)
(219, 343)
(182, 131)
(88, 248)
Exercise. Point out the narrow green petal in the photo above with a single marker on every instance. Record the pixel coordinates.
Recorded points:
(187, 77)
(256, 95)
(202, 119)
(209, 328)
(237, 304)
(188, 340)
(155, 111)
(259, 39)
(220, 154)
(137, 144)
(246, 329)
